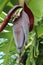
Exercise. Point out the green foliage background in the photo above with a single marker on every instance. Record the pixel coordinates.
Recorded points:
(8, 51)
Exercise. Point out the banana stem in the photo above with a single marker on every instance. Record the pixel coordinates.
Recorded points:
(21, 3)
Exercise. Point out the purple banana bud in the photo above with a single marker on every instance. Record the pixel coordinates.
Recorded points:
(20, 31)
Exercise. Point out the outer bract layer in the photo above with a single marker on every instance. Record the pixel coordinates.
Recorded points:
(30, 15)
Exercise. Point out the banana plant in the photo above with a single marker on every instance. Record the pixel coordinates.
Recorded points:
(31, 53)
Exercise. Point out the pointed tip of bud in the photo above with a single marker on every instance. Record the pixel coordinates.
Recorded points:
(20, 51)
